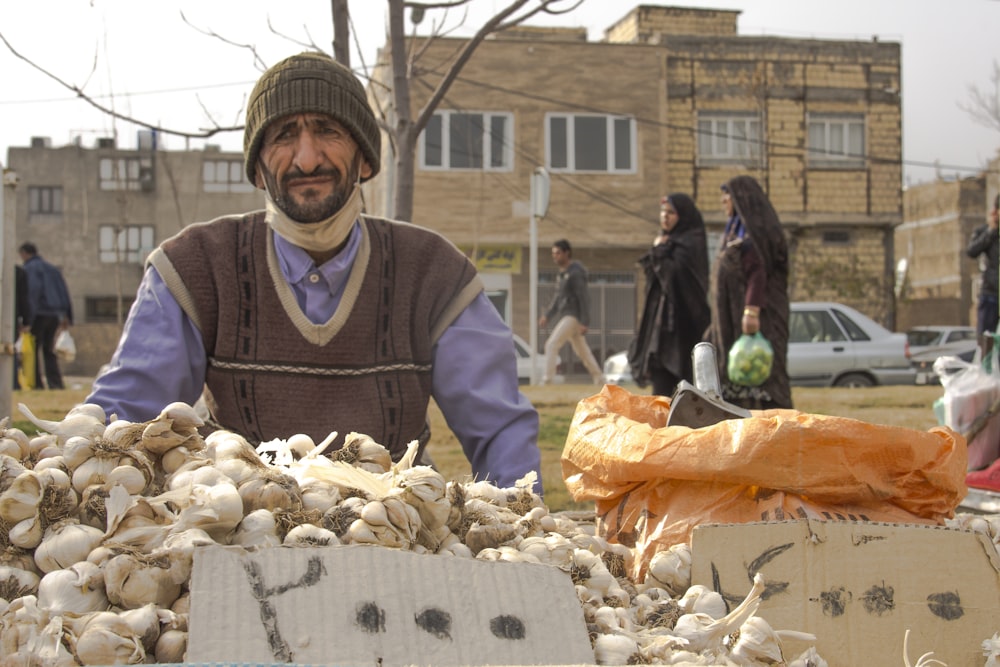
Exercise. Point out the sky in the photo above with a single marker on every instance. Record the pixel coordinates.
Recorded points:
(188, 65)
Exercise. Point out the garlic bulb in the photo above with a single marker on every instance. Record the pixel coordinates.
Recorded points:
(78, 589)
(65, 543)
(308, 535)
(10, 469)
(85, 420)
(20, 500)
(615, 650)
(109, 644)
(171, 647)
(27, 534)
(671, 569)
(133, 580)
(15, 582)
(257, 529)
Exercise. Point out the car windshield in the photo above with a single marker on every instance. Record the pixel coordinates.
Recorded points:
(923, 337)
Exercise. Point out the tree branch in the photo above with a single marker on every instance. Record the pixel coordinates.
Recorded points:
(203, 133)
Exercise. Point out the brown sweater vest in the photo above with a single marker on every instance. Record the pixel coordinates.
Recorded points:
(272, 373)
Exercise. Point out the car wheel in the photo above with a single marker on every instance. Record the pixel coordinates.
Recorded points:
(854, 380)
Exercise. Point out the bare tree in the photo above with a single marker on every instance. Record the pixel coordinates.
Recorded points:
(408, 123)
(984, 105)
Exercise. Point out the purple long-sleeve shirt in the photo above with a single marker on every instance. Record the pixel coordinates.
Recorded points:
(161, 359)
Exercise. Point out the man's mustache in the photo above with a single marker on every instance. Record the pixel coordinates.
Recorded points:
(319, 173)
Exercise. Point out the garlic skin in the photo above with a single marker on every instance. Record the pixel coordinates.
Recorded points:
(77, 590)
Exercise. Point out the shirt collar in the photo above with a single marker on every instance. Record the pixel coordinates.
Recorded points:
(296, 263)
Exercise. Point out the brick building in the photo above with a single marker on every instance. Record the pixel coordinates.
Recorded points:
(937, 283)
(671, 100)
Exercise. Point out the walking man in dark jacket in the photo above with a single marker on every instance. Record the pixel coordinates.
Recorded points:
(51, 310)
(570, 310)
(984, 245)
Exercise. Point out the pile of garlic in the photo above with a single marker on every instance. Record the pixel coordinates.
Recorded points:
(98, 526)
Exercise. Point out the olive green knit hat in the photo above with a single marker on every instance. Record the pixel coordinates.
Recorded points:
(304, 83)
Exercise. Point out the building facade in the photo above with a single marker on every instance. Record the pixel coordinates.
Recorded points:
(672, 100)
(97, 211)
(936, 281)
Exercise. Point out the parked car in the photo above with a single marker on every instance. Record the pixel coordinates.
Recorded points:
(927, 343)
(833, 345)
(829, 345)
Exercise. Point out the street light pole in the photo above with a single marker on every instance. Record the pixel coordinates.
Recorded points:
(539, 207)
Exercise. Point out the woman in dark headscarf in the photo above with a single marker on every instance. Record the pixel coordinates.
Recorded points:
(751, 290)
(676, 313)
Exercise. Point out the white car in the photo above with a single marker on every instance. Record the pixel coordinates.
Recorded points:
(829, 345)
(927, 343)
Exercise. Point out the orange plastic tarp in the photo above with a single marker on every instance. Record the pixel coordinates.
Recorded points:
(653, 483)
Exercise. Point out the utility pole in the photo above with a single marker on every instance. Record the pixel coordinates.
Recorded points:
(7, 209)
(539, 207)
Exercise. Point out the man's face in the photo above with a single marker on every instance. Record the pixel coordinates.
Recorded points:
(310, 164)
(560, 256)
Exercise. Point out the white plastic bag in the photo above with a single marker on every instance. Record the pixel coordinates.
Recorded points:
(970, 393)
(65, 346)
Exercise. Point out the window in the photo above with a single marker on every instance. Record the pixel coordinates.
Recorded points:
(467, 140)
(224, 176)
(725, 138)
(590, 143)
(813, 326)
(837, 141)
(129, 244)
(126, 173)
(44, 200)
(837, 237)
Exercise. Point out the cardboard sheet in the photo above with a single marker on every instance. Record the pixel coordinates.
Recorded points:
(350, 605)
(859, 586)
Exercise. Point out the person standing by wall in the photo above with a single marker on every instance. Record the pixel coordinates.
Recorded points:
(570, 310)
(983, 244)
(22, 312)
(51, 310)
(676, 312)
(751, 291)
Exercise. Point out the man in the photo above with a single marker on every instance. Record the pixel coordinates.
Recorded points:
(50, 311)
(983, 244)
(570, 310)
(310, 317)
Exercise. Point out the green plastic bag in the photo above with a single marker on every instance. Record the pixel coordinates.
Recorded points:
(750, 360)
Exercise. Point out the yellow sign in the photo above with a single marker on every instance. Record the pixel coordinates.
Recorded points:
(496, 258)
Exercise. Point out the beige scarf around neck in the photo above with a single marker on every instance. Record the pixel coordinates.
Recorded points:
(315, 236)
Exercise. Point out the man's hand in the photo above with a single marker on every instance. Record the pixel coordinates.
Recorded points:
(542, 321)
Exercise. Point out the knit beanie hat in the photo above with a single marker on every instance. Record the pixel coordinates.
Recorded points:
(310, 82)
